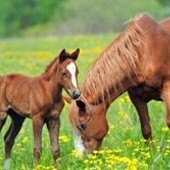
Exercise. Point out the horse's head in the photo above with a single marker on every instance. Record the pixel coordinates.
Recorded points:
(68, 71)
(89, 125)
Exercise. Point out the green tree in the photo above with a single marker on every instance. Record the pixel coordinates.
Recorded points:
(18, 14)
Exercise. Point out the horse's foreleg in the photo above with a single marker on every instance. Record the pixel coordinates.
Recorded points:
(10, 136)
(142, 110)
(165, 95)
(53, 126)
(37, 131)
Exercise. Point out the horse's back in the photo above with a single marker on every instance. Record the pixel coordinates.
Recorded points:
(166, 24)
(156, 53)
(17, 81)
(17, 92)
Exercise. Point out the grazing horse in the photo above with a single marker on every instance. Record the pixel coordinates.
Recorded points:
(39, 98)
(138, 61)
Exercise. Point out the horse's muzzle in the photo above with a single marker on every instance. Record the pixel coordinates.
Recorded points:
(75, 94)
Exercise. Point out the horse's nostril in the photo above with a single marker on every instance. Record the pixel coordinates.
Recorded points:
(83, 126)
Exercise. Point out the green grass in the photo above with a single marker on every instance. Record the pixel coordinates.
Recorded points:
(123, 148)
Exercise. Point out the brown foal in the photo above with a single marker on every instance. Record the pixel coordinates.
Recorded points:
(39, 98)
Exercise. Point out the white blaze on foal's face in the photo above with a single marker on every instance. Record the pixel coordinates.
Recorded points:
(72, 69)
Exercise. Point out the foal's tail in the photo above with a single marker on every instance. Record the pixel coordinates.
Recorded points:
(2, 122)
(3, 115)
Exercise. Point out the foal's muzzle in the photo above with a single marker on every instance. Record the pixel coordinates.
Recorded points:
(75, 94)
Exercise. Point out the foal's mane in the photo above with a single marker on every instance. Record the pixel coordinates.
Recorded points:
(117, 60)
(48, 67)
(51, 68)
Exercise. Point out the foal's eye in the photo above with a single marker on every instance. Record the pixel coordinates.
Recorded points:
(64, 75)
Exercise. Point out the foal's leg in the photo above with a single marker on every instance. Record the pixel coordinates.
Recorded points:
(166, 98)
(38, 123)
(53, 125)
(142, 110)
(11, 134)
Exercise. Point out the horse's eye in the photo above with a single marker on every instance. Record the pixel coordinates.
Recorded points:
(64, 75)
(83, 126)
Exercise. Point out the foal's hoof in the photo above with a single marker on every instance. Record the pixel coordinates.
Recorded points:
(148, 141)
(57, 164)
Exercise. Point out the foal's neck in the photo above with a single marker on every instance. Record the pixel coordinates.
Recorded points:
(50, 79)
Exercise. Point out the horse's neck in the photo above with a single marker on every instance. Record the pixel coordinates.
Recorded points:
(122, 87)
(120, 84)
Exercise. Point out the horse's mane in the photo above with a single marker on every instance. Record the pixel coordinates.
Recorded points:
(50, 64)
(118, 59)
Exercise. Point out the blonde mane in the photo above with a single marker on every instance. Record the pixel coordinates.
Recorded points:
(118, 59)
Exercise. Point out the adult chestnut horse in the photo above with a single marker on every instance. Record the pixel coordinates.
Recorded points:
(138, 61)
(39, 98)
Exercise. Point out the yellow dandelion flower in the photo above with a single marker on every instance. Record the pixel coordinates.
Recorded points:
(147, 155)
(63, 138)
(76, 154)
(136, 149)
(128, 142)
(25, 139)
(22, 131)
(165, 129)
(118, 150)
(168, 140)
(143, 165)
(19, 145)
(158, 148)
(22, 149)
(86, 161)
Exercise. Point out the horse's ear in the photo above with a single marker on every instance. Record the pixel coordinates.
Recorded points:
(81, 105)
(75, 54)
(67, 99)
(63, 55)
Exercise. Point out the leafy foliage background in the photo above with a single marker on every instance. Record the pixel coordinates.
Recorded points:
(61, 17)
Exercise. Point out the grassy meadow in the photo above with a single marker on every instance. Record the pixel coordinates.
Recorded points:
(123, 148)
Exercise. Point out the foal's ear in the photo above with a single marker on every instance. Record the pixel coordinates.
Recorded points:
(81, 105)
(75, 54)
(63, 55)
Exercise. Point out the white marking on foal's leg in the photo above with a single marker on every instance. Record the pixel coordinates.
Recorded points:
(72, 69)
(7, 164)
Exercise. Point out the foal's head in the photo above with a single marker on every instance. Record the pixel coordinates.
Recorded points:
(67, 73)
(89, 125)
